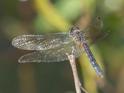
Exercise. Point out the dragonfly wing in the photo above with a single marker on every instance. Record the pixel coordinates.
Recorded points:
(40, 42)
(94, 36)
(94, 31)
(57, 54)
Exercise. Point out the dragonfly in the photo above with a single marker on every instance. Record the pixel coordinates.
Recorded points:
(53, 47)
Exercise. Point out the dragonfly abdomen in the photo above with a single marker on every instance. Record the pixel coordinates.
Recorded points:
(93, 62)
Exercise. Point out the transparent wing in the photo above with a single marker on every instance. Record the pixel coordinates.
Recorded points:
(51, 55)
(94, 31)
(40, 42)
(43, 42)
(92, 36)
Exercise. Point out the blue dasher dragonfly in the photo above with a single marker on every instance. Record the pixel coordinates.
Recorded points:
(53, 47)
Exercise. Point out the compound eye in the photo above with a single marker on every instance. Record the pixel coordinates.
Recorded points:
(77, 32)
(74, 28)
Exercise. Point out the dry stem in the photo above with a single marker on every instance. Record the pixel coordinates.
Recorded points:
(78, 85)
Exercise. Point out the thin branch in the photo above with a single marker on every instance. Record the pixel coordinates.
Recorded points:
(83, 89)
(78, 85)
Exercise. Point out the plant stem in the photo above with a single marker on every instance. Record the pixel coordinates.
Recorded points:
(74, 71)
(77, 82)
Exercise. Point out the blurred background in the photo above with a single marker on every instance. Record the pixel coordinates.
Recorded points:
(19, 17)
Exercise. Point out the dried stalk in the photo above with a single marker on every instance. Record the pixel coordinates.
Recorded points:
(77, 82)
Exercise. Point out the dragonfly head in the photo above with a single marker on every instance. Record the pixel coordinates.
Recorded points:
(75, 33)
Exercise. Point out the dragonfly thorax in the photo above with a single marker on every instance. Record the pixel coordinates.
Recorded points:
(76, 34)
